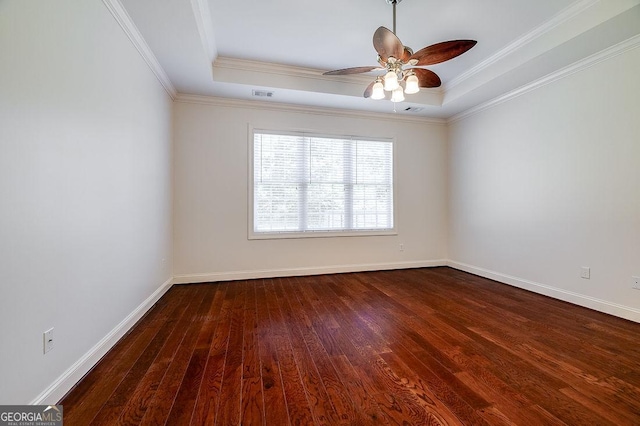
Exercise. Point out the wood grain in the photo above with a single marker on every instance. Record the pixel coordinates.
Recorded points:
(417, 347)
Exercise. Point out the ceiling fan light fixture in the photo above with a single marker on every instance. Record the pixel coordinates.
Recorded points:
(404, 72)
(411, 85)
(397, 95)
(378, 90)
(391, 81)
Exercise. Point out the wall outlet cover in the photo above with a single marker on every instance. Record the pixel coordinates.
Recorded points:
(585, 272)
(47, 340)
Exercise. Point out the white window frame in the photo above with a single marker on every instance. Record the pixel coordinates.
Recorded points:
(252, 235)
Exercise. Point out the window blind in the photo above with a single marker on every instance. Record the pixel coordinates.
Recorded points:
(310, 183)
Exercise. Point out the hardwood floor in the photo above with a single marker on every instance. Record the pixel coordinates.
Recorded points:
(423, 347)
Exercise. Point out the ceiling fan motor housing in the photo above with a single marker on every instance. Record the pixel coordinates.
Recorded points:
(393, 56)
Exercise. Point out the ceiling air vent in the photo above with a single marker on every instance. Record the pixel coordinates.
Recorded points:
(414, 109)
(262, 93)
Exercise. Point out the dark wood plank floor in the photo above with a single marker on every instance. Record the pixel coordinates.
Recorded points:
(423, 347)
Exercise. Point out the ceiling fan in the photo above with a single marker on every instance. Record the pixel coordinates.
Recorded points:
(401, 63)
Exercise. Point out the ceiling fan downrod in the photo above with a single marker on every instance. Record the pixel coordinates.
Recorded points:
(393, 3)
(403, 67)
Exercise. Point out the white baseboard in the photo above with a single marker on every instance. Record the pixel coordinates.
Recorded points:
(610, 308)
(69, 378)
(291, 272)
(64, 383)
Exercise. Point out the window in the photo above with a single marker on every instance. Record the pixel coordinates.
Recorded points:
(313, 185)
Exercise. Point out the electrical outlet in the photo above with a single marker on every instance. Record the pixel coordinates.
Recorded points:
(635, 283)
(585, 272)
(401, 247)
(47, 340)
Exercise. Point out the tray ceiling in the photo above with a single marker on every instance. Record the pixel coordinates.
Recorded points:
(231, 48)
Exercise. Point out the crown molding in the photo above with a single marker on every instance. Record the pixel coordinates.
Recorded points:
(301, 109)
(204, 23)
(299, 72)
(581, 65)
(126, 23)
(563, 16)
(285, 70)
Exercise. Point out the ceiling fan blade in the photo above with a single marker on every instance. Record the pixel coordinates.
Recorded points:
(369, 90)
(406, 54)
(442, 52)
(387, 44)
(354, 70)
(427, 78)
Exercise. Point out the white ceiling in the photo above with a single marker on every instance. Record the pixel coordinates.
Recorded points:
(284, 47)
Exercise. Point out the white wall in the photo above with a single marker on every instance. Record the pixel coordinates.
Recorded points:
(549, 182)
(211, 184)
(85, 184)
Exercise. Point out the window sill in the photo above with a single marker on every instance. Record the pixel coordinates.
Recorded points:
(319, 234)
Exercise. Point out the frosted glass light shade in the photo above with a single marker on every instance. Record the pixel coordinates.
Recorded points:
(390, 81)
(378, 91)
(411, 85)
(397, 95)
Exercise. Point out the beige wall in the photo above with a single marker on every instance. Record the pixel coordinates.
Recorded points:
(211, 184)
(549, 182)
(526, 192)
(85, 183)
